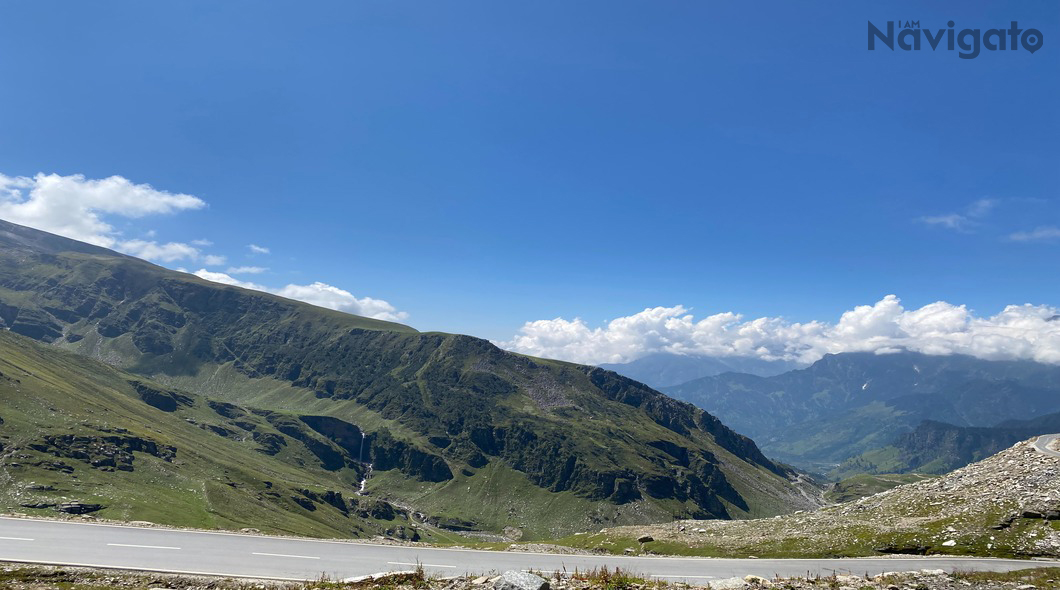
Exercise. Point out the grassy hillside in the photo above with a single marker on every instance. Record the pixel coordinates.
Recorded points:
(864, 485)
(444, 414)
(937, 447)
(74, 429)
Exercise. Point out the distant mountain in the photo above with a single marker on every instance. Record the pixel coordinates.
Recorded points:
(936, 447)
(846, 404)
(664, 370)
(477, 436)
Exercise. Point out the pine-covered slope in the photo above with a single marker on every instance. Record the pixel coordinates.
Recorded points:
(490, 439)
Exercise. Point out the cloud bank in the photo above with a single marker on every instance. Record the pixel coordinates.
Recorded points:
(320, 294)
(965, 221)
(1030, 332)
(73, 206)
(1039, 234)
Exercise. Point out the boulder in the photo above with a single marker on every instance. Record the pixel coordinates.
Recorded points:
(513, 580)
(645, 539)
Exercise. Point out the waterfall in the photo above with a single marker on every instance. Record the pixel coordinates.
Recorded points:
(364, 481)
(360, 459)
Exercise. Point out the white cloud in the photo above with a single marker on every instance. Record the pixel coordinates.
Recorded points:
(949, 221)
(256, 249)
(1018, 332)
(220, 277)
(246, 270)
(964, 221)
(74, 206)
(213, 260)
(152, 250)
(320, 294)
(982, 207)
(201, 243)
(1038, 234)
(331, 297)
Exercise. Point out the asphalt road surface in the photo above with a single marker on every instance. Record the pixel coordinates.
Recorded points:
(224, 554)
(1044, 442)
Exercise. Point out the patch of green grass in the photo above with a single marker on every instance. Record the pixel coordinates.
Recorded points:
(615, 579)
(863, 485)
(1039, 577)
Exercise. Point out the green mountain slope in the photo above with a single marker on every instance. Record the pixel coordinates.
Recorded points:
(478, 437)
(937, 447)
(847, 404)
(75, 430)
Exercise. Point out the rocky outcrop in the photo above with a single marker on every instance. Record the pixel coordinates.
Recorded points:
(387, 453)
(108, 453)
(165, 400)
(78, 507)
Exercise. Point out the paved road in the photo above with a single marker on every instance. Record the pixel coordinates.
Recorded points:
(69, 543)
(1044, 442)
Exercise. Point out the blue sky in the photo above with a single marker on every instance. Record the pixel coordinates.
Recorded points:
(482, 164)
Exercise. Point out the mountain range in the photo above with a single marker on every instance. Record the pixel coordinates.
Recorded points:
(847, 404)
(665, 370)
(444, 426)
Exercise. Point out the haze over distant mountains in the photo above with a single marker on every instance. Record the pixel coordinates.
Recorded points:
(664, 369)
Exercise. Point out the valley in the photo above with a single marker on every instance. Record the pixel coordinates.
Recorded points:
(850, 413)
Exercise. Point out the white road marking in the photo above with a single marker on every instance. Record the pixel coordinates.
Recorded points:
(143, 546)
(423, 564)
(15, 539)
(286, 555)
